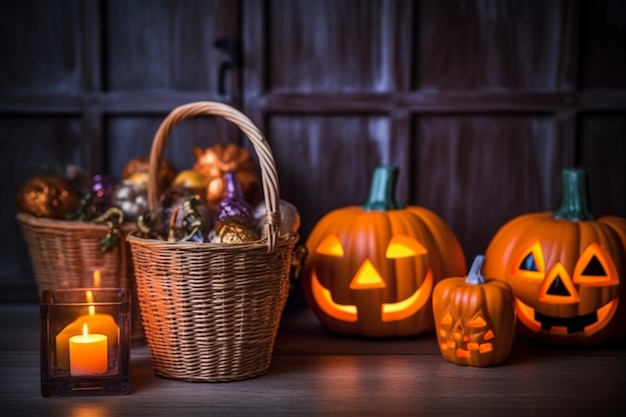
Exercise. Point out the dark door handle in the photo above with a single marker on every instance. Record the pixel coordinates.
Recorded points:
(230, 46)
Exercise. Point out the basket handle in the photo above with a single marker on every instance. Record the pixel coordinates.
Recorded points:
(262, 148)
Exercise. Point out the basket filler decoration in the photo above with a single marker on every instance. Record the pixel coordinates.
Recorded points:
(75, 234)
(211, 300)
(370, 269)
(567, 269)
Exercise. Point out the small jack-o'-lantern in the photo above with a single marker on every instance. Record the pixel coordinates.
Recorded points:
(474, 317)
(370, 270)
(567, 269)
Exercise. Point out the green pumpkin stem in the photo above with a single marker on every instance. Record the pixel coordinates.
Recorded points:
(574, 197)
(474, 276)
(383, 189)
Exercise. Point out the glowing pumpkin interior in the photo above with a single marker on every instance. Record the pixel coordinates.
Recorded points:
(593, 273)
(368, 277)
(465, 337)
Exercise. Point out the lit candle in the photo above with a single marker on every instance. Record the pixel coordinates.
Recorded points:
(88, 353)
(98, 323)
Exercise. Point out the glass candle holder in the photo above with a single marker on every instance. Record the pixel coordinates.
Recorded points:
(85, 341)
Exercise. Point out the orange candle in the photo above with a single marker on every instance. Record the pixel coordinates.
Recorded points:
(88, 353)
(98, 323)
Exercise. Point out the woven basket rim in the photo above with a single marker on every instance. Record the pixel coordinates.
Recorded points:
(283, 240)
(44, 222)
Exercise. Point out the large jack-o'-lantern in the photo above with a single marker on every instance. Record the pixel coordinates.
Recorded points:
(474, 317)
(567, 269)
(370, 270)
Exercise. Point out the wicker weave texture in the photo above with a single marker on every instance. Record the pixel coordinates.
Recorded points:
(65, 254)
(211, 311)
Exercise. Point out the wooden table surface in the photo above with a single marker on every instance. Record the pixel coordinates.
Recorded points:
(314, 372)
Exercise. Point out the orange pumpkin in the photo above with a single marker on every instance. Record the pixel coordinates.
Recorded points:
(475, 318)
(370, 270)
(567, 269)
(215, 161)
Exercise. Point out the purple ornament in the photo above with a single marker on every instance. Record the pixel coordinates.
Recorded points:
(101, 190)
(234, 204)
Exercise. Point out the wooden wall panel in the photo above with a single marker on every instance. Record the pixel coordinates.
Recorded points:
(133, 136)
(603, 40)
(603, 154)
(326, 162)
(31, 145)
(478, 172)
(164, 44)
(332, 46)
(451, 91)
(41, 50)
(493, 44)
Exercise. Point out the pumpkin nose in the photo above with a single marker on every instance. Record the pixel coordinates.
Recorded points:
(367, 277)
(558, 287)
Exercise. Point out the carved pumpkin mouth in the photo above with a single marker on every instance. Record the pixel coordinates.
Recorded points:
(587, 324)
(465, 349)
(389, 311)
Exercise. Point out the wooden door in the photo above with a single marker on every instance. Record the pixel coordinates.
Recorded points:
(88, 83)
(479, 103)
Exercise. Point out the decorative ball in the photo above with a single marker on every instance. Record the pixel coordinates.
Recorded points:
(232, 230)
(184, 216)
(131, 197)
(215, 161)
(48, 196)
(101, 192)
(191, 180)
(290, 217)
(167, 170)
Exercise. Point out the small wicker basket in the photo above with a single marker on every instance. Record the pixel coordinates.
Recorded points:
(65, 254)
(211, 311)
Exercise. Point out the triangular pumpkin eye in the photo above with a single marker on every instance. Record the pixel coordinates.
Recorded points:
(477, 321)
(330, 246)
(595, 267)
(446, 320)
(402, 246)
(529, 262)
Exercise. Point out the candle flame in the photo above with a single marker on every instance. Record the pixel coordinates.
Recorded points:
(92, 309)
(85, 330)
(96, 278)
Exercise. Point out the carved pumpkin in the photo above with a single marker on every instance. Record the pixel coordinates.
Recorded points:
(567, 269)
(475, 318)
(370, 270)
(217, 160)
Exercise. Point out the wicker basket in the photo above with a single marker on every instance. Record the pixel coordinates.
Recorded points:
(65, 254)
(211, 310)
